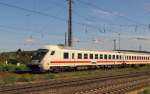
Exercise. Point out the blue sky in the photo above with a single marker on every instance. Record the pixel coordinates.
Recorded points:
(30, 24)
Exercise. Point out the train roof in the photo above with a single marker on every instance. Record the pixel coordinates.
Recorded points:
(73, 48)
(57, 47)
(133, 51)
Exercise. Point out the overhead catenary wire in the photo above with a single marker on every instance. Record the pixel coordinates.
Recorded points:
(44, 14)
(52, 16)
(101, 28)
(32, 11)
(58, 18)
(122, 16)
(136, 25)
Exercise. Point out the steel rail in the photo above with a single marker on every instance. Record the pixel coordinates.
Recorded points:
(62, 86)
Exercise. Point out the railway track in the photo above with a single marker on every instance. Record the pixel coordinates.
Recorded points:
(96, 85)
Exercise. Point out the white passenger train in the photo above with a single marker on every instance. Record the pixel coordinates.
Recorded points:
(55, 57)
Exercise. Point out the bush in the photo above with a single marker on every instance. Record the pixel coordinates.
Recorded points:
(13, 68)
(12, 61)
(22, 67)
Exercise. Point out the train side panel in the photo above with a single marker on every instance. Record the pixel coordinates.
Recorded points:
(69, 57)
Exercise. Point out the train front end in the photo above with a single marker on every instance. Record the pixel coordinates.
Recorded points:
(38, 59)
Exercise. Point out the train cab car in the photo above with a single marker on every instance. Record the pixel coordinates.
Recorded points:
(41, 58)
(55, 57)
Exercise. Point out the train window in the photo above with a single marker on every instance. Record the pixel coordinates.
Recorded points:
(72, 55)
(113, 56)
(146, 58)
(109, 56)
(127, 58)
(140, 58)
(52, 52)
(101, 56)
(39, 54)
(96, 56)
(66, 55)
(105, 56)
(120, 57)
(85, 56)
(117, 57)
(91, 56)
(79, 56)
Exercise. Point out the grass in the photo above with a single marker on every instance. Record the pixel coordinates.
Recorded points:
(145, 91)
(100, 72)
(11, 78)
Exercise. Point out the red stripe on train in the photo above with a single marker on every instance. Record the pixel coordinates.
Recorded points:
(102, 61)
(70, 61)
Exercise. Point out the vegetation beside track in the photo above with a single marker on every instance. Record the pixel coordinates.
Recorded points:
(12, 78)
(19, 56)
(145, 91)
(13, 68)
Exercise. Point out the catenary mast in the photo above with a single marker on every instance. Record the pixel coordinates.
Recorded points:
(70, 24)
